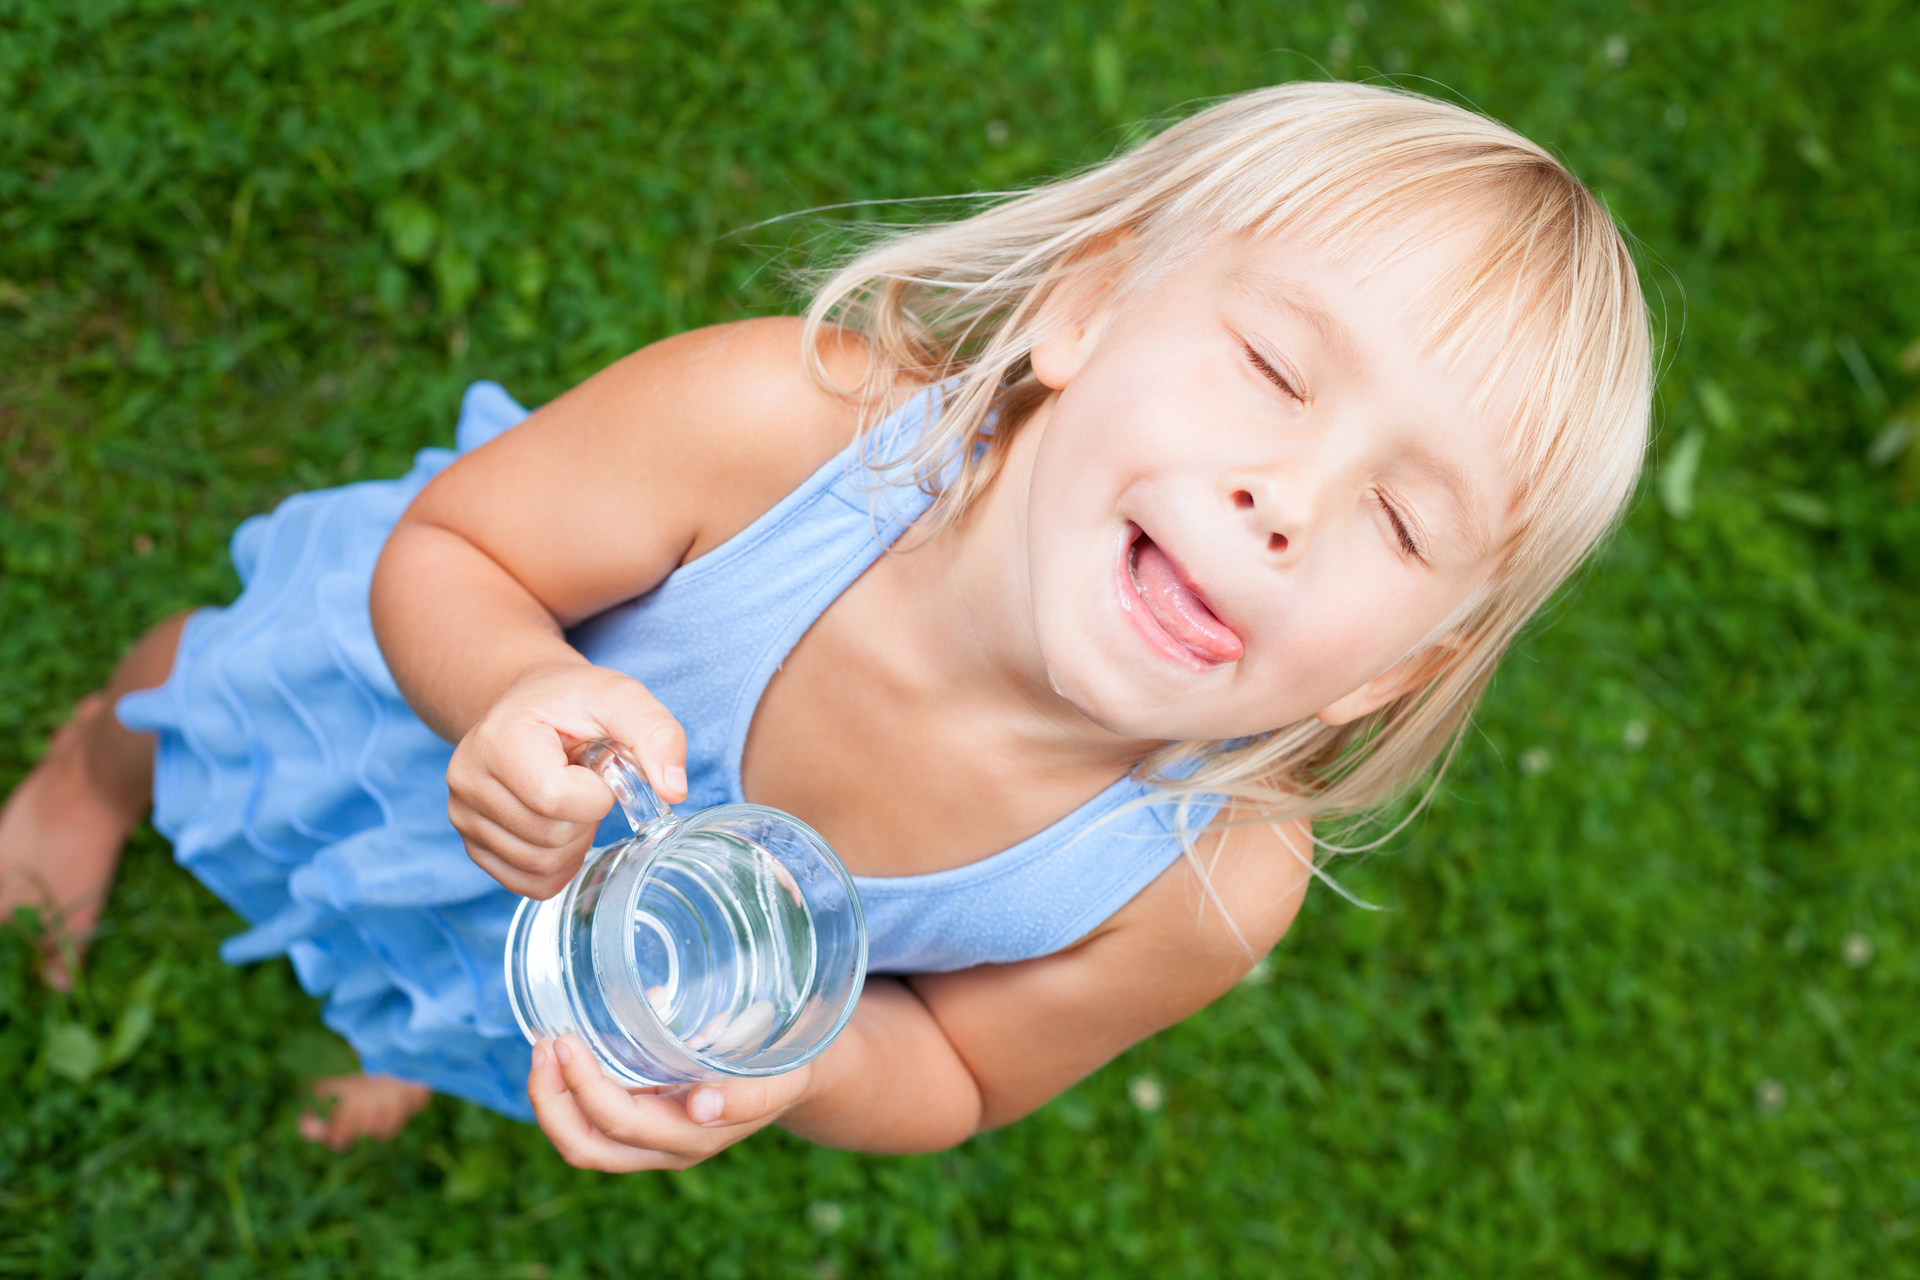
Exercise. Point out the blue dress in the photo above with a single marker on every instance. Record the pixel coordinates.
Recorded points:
(295, 782)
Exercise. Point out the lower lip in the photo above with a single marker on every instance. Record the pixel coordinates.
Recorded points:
(1142, 617)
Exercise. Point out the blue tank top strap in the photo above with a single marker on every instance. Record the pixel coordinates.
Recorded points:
(708, 639)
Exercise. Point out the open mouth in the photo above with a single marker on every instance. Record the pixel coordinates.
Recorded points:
(1176, 618)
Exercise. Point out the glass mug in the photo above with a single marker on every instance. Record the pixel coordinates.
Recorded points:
(729, 943)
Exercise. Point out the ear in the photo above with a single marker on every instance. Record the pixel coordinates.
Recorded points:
(1076, 313)
(1398, 680)
(1058, 358)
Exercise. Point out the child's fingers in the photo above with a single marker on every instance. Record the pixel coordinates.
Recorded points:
(528, 870)
(595, 1124)
(655, 740)
(492, 799)
(657, 1123)
(526, 758)
(524, 884)
(572, 1134)
(709, 1118)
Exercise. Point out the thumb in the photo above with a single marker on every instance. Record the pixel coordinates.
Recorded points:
(747, 1101)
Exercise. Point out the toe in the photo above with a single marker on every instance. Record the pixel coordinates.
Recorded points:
(342, 1129)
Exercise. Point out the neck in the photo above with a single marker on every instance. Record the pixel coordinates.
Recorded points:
(961, 615)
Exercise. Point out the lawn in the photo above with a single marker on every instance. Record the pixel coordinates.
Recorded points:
(1640, 1002)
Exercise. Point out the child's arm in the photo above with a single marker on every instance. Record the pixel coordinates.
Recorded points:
(593, 500)
(926, 1063)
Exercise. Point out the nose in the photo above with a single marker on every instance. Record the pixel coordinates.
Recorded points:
(1278, 517)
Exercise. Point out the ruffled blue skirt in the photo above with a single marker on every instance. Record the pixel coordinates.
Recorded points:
(295, 783)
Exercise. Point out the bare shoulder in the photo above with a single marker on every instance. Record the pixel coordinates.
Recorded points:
(743, 388)
(1222, 908)
(736, 411)
(678, 447)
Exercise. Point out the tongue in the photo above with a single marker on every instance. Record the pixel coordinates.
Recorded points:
(1177, 609)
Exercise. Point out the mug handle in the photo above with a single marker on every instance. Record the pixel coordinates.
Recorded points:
(644, 811)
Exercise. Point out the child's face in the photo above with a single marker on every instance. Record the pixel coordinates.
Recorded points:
(1255, 495)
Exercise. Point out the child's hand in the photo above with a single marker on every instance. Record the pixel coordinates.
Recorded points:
(526, 814)
(595, 1124)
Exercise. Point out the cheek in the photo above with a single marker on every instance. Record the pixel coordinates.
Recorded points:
(1080, 473)
(1070, 559)
(1336, 630)
(1370, 619)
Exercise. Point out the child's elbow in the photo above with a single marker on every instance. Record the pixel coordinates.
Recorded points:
(944, 1121)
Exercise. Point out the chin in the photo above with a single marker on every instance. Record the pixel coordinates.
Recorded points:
(1127, 711)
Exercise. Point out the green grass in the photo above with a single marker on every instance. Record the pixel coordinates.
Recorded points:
(1636, 1010)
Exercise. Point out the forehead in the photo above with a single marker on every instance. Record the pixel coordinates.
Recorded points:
(1381, 300)
(1417, 270)
(1420, 293)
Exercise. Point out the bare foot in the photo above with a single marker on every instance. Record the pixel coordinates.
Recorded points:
(366, 1106)
(60, 838)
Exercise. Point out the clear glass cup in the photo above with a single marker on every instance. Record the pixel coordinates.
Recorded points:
(729, 943)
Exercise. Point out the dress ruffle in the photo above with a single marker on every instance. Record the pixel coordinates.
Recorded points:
(295, 782)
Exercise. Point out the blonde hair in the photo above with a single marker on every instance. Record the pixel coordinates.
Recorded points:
(1550, 289)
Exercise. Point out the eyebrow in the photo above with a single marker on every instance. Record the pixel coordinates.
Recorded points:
(1469, 514)
(1278, 294)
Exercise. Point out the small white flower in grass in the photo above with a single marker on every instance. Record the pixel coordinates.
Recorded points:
(1260, 975)
(825, 1216)
(1769, 1096)
(1636, 734)
(998, 133)
(1535, 761)
(1857, 950)
(1147, 1093)
(1616, 50)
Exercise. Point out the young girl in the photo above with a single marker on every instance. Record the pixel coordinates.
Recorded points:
(1217, 477)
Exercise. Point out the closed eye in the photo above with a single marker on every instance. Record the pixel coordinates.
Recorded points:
(1407, 544)
(1272, 374)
